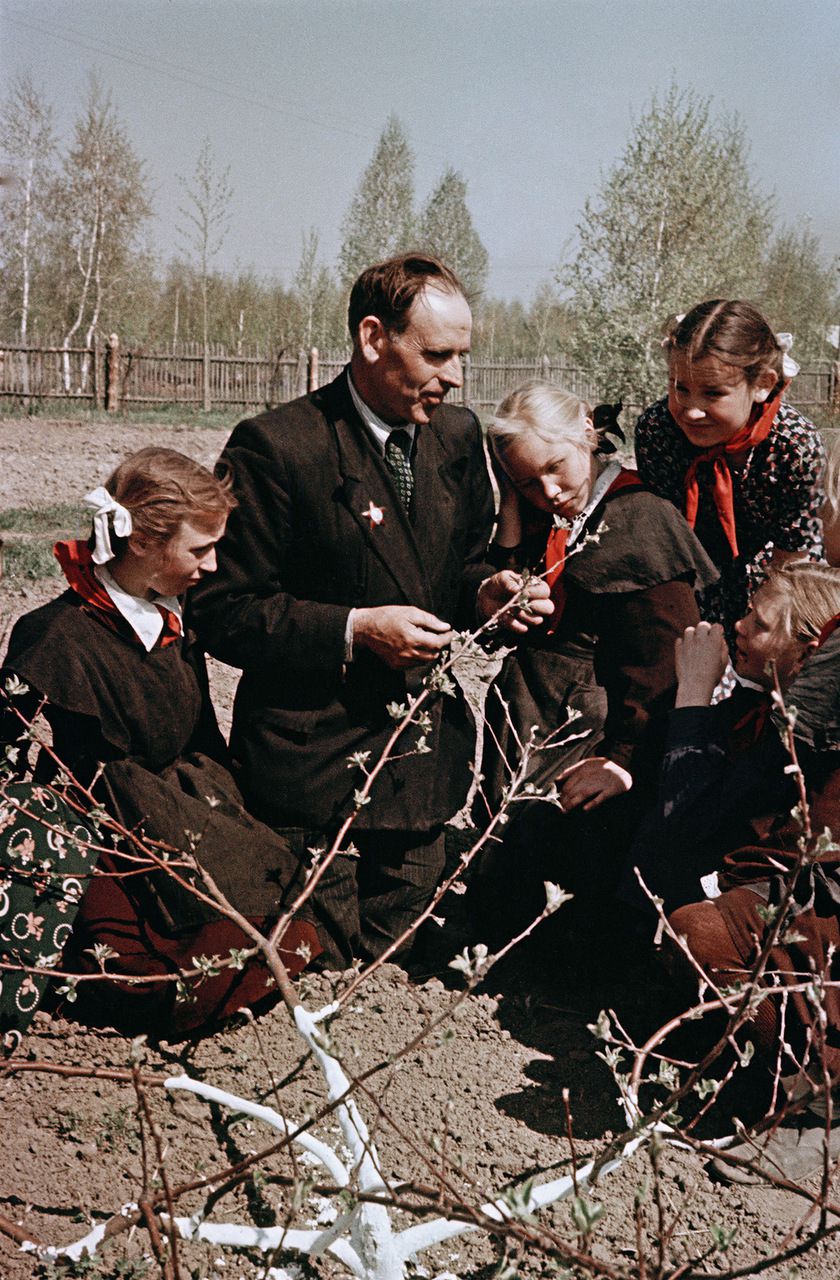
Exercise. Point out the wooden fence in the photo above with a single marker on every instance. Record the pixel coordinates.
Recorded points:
(114, 377)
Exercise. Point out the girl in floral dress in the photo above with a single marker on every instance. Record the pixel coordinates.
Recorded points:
(743, 466)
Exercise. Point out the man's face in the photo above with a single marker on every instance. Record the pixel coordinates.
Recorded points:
(405, 376)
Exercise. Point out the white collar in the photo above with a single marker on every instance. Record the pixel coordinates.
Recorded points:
(746, 683)
(599, 489)
(379, 430)
(143, 616)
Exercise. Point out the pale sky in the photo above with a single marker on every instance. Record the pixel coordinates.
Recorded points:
(532, 100)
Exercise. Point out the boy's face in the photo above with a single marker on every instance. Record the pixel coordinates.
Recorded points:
(762, 639)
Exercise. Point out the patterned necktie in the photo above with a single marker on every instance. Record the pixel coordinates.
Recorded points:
(397, 451)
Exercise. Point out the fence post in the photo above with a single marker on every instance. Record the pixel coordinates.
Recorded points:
(205, 377)
(834, 386)
(301, 373)
(546, 369)
(112, 373)
(312, 382)
(97, 372)
(24, 369)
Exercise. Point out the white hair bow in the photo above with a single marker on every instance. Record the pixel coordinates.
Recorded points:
(666, 341)
(102, 505)
(789, 366)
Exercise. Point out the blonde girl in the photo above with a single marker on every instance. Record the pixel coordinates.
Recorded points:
(616, 570)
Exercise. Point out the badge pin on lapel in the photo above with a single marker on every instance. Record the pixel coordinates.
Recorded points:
(374, 514)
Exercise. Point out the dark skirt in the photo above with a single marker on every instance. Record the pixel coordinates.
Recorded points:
(548, 696)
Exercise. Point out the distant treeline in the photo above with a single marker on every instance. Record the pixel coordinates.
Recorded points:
(677, 219)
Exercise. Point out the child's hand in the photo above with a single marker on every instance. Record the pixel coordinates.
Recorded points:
(533, 601)
(590, 782)
(700, 657)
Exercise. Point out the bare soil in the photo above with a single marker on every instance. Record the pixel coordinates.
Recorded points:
(490, 1096)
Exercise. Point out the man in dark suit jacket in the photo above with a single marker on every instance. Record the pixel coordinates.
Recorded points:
(338, 588)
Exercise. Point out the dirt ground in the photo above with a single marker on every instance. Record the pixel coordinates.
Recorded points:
(489, 1096)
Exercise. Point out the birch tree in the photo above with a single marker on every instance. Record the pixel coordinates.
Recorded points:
(206, 218)
(380, 219)
(99, 207)
(321, 323)
(27, 141)
(678, 219)
(800, 291)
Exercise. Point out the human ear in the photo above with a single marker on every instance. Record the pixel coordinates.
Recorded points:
(804, 654)
(138, 543)
(370, 337)
(591, 436)
(763, 385)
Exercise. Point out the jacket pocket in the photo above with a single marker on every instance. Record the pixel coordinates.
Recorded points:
(291, 722)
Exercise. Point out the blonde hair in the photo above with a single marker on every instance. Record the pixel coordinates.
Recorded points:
(162, 488)
(809, 596)
(543, 410)
(831, 476)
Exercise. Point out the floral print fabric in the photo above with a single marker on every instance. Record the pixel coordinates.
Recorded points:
(777, 499)
(47, 856)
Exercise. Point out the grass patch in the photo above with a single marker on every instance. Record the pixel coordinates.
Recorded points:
(63, 516)
(28, 552)
(29, 561)
(167, 415)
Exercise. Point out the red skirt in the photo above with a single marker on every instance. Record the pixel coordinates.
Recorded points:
(108, 915)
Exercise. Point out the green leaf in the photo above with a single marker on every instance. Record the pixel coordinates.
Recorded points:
(585, 1214)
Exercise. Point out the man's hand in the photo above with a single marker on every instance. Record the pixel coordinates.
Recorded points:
(401, 635)
(534, 606)
(590, 782)
(700, 658)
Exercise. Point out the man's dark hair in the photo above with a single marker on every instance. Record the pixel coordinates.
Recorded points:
(387, 290)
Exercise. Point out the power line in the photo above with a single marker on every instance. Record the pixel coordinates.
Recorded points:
(179, 73)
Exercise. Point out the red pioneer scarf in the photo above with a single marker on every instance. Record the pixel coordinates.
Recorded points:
(77, 566)
(828, 630)
(756, 429)
(555, 548)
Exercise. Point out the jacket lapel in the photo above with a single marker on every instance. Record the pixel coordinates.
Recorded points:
(366, 483)
(434, 499)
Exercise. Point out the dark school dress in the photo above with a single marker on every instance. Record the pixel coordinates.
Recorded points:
(629, 585)
(140, 727)
(723, 767)
(754, 878)
(776, 498)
